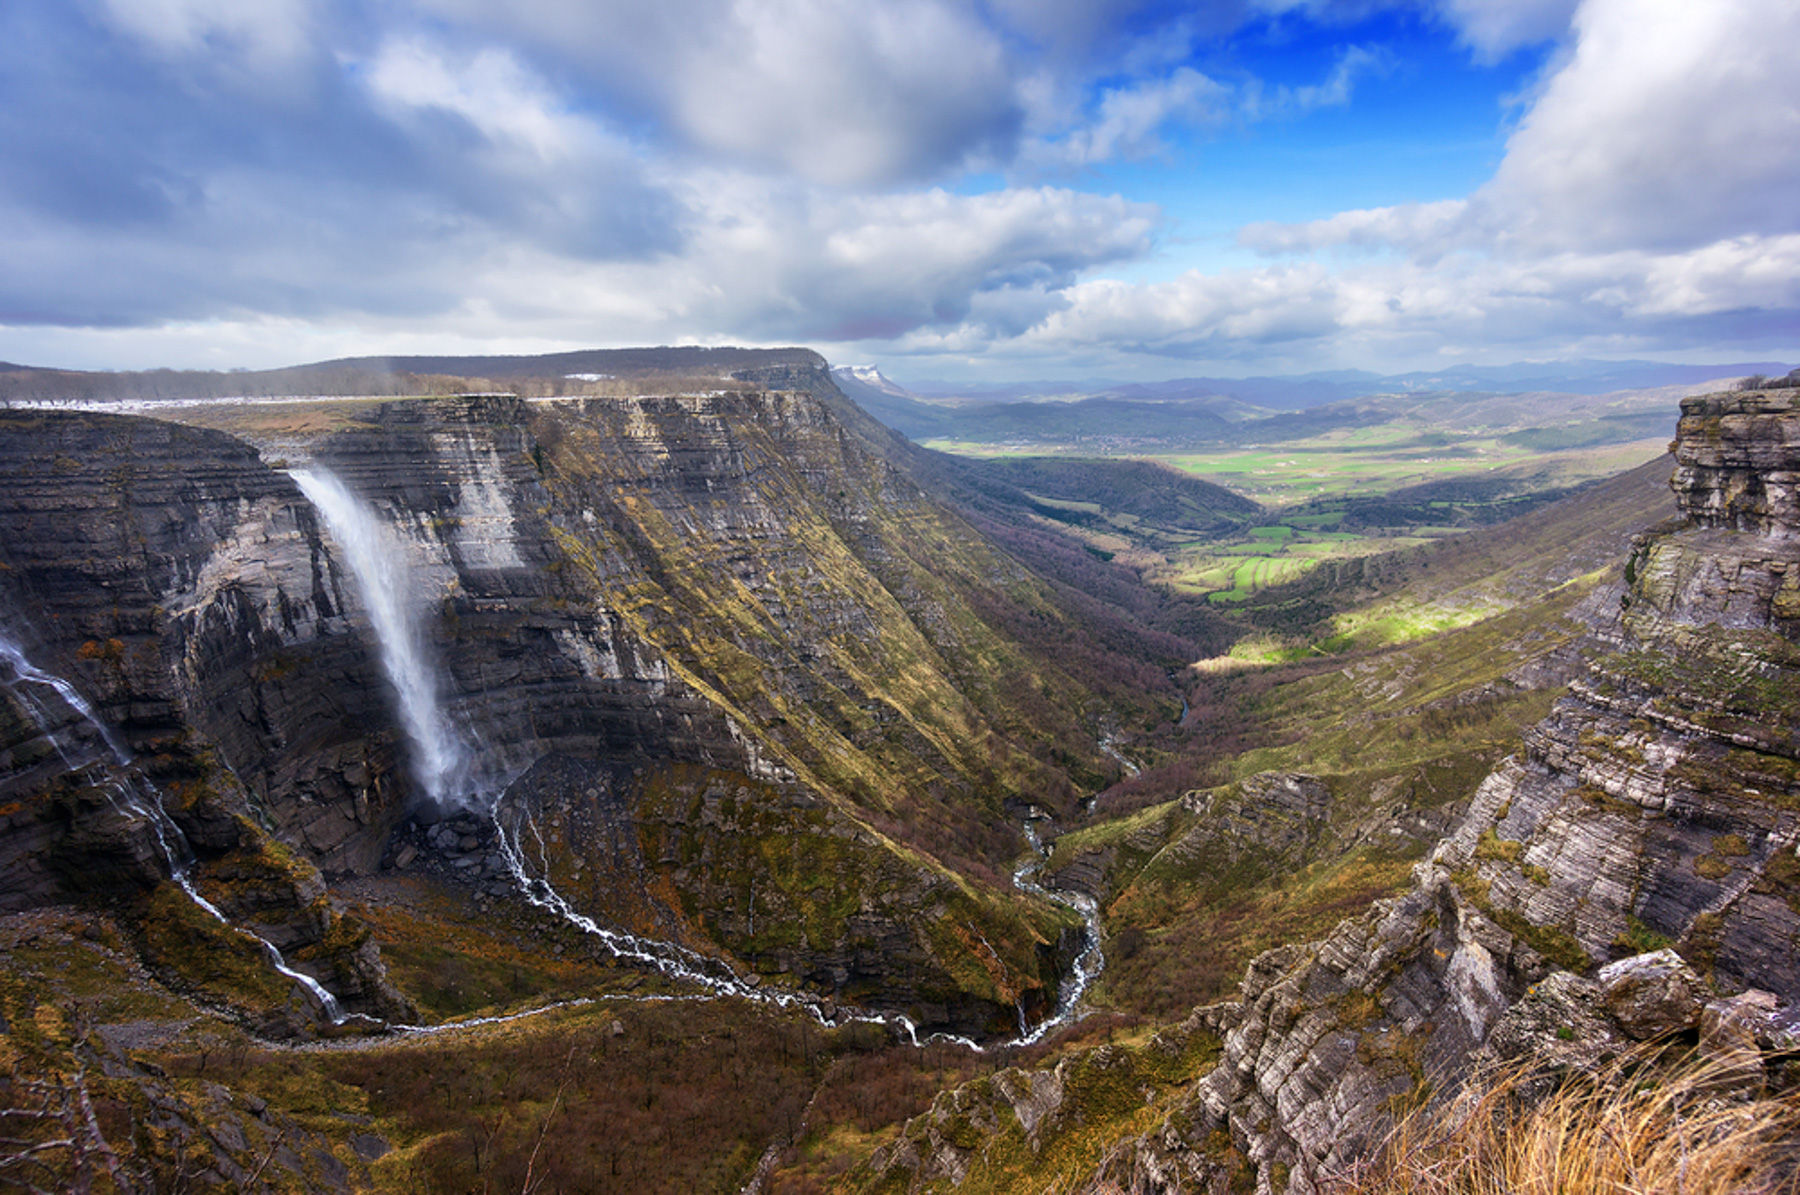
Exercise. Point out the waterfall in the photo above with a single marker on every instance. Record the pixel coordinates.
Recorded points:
(377, 561)
(376, 556)
(24, 671)
(1088, 964)
(125, 797)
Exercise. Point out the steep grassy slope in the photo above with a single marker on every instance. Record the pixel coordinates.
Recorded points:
(1419, 671)
(802, 706)
(831, 607)
(840, 671)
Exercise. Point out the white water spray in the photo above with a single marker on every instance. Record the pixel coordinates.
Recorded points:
(171, 843)
(1088, 964)
(377, 562)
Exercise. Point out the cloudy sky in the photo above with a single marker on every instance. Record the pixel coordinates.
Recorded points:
(983, 189)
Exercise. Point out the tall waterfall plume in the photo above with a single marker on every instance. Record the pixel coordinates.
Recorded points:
(377, 561)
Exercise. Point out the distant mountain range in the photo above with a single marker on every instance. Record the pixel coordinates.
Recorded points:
(1619, 398)
(1299, 391)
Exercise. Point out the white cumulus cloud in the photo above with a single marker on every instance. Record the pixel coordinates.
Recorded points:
(1671, 124)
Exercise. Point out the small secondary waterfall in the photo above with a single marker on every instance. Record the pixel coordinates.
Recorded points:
(321, 995)
(23, 671)
(377, 561)
(146, 805)
(1088, 964)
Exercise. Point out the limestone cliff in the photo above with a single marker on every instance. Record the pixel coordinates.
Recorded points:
(768, 659)
(124, 542)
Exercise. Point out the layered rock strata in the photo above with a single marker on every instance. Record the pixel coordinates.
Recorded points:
(122, 542)
(1659, 802)
(728, 584)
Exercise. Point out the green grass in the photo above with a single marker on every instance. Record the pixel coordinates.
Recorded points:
(1299, 480)
(1400, 622)
(1379, 460)
(1419, 724)
(1335, 468)
(1307, 470)
(1272, 555)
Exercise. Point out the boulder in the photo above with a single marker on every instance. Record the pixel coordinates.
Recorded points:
(1728, 1041)
(1558, 1026)
(1652, 995)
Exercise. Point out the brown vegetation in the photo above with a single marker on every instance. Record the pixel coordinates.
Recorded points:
(1639, 1125)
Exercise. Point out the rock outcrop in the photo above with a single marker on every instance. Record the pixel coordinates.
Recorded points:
(1657, 806)
(122, 542)
(1659, 802)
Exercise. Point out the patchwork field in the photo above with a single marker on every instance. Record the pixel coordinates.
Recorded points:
(1330, 503)
(1340, 482)
(1366, 462)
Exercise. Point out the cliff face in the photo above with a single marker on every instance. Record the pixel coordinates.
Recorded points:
(157, 567)
(1657, 805)
(1664, 795)
(533, 663)
(1659, 802)
(754, 643)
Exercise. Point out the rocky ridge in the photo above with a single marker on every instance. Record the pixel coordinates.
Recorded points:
(1655, 810)
(125, 542)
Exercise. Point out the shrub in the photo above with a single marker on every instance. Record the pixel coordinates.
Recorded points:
(1757, 381)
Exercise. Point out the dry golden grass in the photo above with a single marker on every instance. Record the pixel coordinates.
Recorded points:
(1638, 1128)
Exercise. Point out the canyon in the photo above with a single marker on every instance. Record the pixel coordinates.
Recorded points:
(724, 693)
(682, 658)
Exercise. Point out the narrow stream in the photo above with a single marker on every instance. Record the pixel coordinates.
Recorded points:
(1088, 964)
(679, 962)
(1109, 747)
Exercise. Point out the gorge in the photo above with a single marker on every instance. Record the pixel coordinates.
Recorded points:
(538, 668)
(724, 695)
